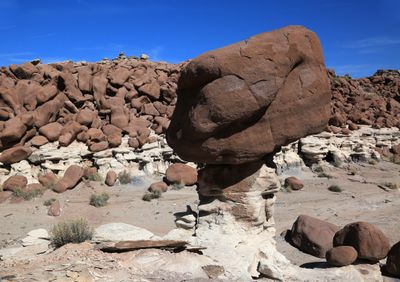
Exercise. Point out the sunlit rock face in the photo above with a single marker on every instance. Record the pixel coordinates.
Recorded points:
(238, 103)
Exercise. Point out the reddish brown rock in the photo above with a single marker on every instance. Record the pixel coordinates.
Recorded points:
(281, 77)
(114, 140)
(341, 256)
(51, 131)
(294, 183)
(48, 112)
(24, 71)
(119, 76)
(149, 109)
(32, 187)
(85, 79)
(133, 142)
(313, 236)
(86, 117)
(71, 178)
(13, 131)
(181, 174)
(110, 129)
(15, 182)
(15, 154)
(119, 117)
(138, 103)
(38, 141)
(393, 260)
(48, 179)
(100, 146)
(368, 240)
(151, 89)
(111, 178)
(160, 187)
(54, 209)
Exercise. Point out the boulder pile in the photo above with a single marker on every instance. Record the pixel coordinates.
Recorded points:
(94, 103)
(373, 100)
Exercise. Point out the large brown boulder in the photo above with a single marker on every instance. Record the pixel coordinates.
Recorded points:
(181, 174)
(369, 241)
(15, 182)
(393, 260)
(71, 178)
(15, 154)
(48, 179)
(313, 236)
(237, 104)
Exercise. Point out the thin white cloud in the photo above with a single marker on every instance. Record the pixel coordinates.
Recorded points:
(372, 42)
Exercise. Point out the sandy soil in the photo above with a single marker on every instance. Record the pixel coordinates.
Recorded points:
(361, 199)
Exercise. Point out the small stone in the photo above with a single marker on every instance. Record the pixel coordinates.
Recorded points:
(294, 183)
(341, 256)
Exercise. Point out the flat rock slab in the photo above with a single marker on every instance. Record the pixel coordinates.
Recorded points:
(126, 246)
(121, 232)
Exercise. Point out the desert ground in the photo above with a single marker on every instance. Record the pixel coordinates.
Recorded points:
(362, 199)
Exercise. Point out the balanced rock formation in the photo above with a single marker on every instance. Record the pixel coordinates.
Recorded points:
(237, 104)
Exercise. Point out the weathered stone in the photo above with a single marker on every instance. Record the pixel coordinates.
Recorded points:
(369, 241)
(293, 183)
(15, 154)
(181, 174)
(120, 232)
(14, 182)
(341, 256)
(312, 235)
(54, 209)
(111, 178)
(160, 187)
(51, 131)
(393, 260)
(38, 141)
(211, 123)
(71, 178)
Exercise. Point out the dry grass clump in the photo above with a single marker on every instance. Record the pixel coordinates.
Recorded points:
(151, 195)
(124, 177)
(95, 177)
(335, 188)
(48, 202)
(99, 200)
(76, 231)
(27, 195)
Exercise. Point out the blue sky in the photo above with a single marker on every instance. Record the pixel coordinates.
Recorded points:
(358, 37)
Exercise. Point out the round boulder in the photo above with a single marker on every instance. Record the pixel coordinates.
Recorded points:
(160, 186)
(15, 154)
(181, 174)
(369, 241)
(393, 260)
(15, 182)
(313, 236)
(294, 183)
(341, 256)
(111, 178)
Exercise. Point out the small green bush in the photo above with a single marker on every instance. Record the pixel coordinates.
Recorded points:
(124, 177)
(324, 175)
(335, 188)
(76, 231)
(95, 177)
(27, 195)
(177, 186)
(151, 195)
(99, 200)
(49, 202)
(392, 185)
